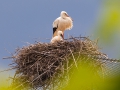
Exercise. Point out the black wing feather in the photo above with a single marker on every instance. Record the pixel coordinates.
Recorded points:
(54, 29)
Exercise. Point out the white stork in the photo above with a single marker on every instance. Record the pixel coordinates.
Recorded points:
(62, 23)
(59, 37)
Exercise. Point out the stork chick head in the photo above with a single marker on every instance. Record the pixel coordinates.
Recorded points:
(60, 33)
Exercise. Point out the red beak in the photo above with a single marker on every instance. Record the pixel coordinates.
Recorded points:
(62, 35)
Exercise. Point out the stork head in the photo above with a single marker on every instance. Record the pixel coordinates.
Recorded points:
(60, 33)
(64, 14)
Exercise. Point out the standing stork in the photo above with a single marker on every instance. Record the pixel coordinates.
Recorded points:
(62, 23)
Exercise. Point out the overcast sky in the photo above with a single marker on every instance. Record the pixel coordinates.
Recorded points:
(24, 21)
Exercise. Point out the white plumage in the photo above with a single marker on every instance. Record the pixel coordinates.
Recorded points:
(59, 37)
(62, 23)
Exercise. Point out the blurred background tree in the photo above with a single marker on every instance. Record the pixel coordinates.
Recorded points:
(107, 27)
(109, 20)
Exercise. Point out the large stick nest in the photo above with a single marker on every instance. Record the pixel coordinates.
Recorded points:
(38, 65)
